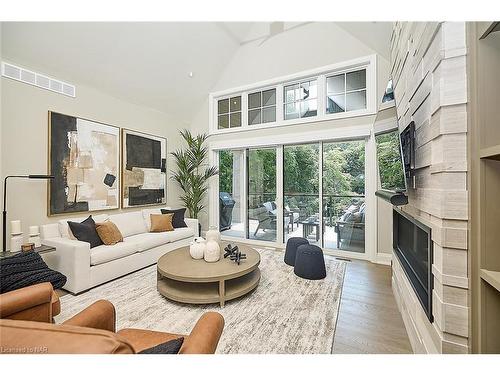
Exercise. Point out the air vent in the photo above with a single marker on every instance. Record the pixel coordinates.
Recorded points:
(37, 79)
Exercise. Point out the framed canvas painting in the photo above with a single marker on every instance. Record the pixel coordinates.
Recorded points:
(144, 169)
(84, 157)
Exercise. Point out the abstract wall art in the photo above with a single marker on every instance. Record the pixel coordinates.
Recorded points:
(144, 169)
(84, 158)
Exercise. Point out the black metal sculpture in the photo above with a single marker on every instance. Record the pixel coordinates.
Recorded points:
(229, 250)
(234, 254)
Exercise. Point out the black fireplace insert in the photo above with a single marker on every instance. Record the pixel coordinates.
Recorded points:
(413, 246)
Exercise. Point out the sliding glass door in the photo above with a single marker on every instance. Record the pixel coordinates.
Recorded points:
(301, 192)
(322, 185)
(262, 207)
(344, 196)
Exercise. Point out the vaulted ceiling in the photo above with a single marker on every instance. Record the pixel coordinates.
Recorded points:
(149, 63)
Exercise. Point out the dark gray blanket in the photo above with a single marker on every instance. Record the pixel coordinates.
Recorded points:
(25, 269)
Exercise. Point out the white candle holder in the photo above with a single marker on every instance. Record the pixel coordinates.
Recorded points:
(34, 235)
(16, 242)
(15, 227)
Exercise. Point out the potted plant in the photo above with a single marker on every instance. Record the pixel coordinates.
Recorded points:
(193, 173)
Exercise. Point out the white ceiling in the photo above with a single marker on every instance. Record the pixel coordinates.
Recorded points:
(147, 63)
(375, 35)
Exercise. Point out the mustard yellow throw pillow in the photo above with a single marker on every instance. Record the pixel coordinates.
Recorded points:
(108, 232)
(161, 223)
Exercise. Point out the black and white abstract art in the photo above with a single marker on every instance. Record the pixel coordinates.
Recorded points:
(144, 159)
(84, 157)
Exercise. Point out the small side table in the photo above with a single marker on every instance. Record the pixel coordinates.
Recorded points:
(40, 250)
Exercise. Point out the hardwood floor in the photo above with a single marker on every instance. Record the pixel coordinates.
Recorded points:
(369, 320)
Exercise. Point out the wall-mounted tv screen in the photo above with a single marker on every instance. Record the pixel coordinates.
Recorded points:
(392, 175)
(407, 140)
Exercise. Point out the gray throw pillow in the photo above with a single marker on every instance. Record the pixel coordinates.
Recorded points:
(169, 347)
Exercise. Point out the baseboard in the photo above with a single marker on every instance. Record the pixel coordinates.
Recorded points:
(383, 258)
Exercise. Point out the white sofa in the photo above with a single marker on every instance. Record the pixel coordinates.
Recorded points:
(86, 268)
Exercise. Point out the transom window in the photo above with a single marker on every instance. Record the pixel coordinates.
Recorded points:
(300, 100)
(335, 91)
(346, 92)
(229, 112)
(262, 107)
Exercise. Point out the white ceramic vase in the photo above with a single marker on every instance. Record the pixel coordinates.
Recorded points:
(212, 251)
(213, 234)
(197, 248)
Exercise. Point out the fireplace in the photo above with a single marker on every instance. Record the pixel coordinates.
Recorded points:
(413, 246)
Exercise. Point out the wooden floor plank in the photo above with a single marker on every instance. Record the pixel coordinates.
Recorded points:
(369, 320)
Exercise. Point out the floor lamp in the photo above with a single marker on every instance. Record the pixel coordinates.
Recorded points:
(31, 176)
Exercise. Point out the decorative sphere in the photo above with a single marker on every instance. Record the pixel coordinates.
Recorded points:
(197, 248)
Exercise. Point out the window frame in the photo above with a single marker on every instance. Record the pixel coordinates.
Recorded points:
(346, 91)
(262, 107)
(320, 74)
(299, 101)
(229, 112)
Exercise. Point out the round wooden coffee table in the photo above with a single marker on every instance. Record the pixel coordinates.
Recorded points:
(184, 279)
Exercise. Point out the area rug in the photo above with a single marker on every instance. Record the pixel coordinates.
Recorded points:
(284, 314)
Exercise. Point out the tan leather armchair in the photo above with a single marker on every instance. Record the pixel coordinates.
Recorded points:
(38, 303)
(92, 331)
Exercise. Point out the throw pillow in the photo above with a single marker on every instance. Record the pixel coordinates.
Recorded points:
(161, 223)
(85, 231)
(109, 232)
(178, 219)
(169, 347)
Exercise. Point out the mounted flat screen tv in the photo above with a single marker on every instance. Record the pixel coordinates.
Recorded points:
(407, 140)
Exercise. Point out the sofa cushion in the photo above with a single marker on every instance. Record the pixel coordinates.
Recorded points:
(129, 223)
(64, 228)
(178, 219)
(109, 232)
(106, 253)
(146, 214)
(180, 234)
(146, 241)
(86, 231)
(161, 223)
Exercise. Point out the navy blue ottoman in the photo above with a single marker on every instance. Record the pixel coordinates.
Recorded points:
(291, 249)
(310, 263)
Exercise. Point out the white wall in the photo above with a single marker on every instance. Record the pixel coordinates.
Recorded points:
(24, 148)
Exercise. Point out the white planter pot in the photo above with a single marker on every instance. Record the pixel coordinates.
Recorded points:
(212, 251)
(197, 248)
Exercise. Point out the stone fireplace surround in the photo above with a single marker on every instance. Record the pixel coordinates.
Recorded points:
(428, 67)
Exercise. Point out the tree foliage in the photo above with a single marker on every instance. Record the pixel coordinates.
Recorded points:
(226, 171)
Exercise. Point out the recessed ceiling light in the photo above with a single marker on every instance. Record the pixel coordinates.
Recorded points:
(190, 74)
